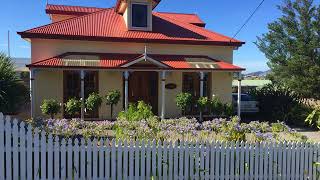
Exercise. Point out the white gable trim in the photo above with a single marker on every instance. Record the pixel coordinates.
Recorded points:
(143, 59)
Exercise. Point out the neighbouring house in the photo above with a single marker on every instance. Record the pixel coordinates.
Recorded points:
(21, 69)
(146, 55)
(249, 84)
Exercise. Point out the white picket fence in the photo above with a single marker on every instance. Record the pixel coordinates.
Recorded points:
(28, 154)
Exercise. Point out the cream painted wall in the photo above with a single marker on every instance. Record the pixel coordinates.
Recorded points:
(48, 85)
(42, 49)
(221, 86)
(110, 81)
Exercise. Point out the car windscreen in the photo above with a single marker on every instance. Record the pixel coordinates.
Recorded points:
(244, 97)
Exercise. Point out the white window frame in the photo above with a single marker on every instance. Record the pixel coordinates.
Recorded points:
(149, 14)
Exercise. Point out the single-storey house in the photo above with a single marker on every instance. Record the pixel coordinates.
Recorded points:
(146, 55)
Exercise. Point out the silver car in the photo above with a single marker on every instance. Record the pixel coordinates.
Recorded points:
(248, 104)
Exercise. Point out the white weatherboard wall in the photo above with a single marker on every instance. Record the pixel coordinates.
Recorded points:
(28, 154)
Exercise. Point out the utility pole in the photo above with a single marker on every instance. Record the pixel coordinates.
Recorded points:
(8, 43)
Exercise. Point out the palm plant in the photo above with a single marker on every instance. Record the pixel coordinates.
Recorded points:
(13, 93)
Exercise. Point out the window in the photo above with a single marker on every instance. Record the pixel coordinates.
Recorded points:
(139, 15)
(72, 88)
(191, 84)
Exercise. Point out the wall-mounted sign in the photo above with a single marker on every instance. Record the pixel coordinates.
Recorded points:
(171, 86)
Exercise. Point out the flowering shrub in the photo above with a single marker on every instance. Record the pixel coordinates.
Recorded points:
(280, 127)
(182, 129)
(77, 128)
(233, 131)
(142, 129)
(138, 112)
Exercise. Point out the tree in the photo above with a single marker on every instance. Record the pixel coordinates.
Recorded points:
(291, 45)
(73, 107)
(202, 103)
(50, 107)
(112, 98)
(183, 101)
(93, 101)
(13, 93)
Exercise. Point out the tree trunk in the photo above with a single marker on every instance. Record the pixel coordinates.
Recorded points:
(111, 111)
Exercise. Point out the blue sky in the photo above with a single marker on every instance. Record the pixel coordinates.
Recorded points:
(224, 17)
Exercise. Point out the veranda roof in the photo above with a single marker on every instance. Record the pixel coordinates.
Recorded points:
(135, 61)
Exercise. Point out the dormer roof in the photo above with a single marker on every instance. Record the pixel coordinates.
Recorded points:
(121, 4)
(188, 18)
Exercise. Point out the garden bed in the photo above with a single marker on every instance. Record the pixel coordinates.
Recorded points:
(183, 129)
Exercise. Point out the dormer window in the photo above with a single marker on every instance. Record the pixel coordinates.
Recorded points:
(140, 15)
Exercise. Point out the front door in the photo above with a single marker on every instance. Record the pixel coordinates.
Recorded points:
(143, 86)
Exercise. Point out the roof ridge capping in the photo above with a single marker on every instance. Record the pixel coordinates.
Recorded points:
(71, 10)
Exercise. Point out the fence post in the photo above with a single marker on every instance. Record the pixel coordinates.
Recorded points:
(83, 162)
(69, 168)
(63, 165)
(22, 150)
(8, 150)
(43, 155)
(29, 143)
(113, 160)
(57, 163)
(36, 170)
(119, 160)
(101, 158)
(125, 160)
(76, 159)
(2, 146)
(50, 157)
(186, 159)
(107, 151)
(94, 159)
(153, 161)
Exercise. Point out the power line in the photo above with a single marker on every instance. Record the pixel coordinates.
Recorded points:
(248, 19)
(9, 43)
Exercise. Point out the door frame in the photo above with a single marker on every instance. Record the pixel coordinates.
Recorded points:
(155, 105)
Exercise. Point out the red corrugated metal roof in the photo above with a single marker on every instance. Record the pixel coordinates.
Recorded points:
(107, 25)
(80, 10)
(175, 62)
(188, 18)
